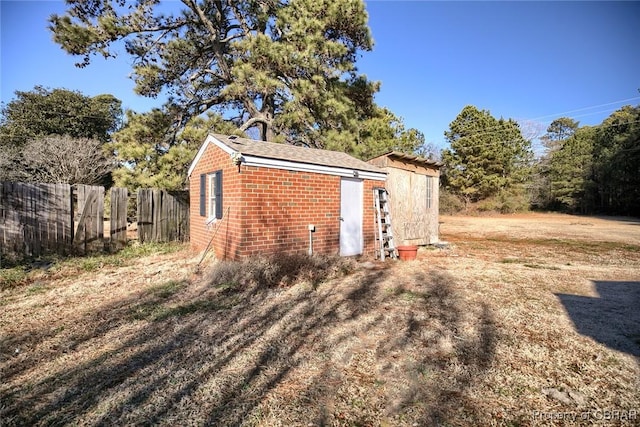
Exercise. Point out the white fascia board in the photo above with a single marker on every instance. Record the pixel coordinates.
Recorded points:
(308, 167)
(210, 140)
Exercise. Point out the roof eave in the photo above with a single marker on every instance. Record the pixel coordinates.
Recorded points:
(274, 162)
(209, 140)
(268, 162)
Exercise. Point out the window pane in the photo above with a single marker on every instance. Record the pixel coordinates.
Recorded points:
(211, 187)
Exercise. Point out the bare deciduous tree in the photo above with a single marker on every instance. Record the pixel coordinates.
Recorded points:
(10, 168)
(58, 159)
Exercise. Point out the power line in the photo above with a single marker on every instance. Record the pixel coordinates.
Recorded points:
(513, 140)
(497, 128)
(586, 108)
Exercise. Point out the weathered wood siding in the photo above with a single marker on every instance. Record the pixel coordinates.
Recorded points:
(433, 213)
(406, 192)
(413, 222)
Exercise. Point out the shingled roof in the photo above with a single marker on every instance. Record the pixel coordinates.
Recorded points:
(407, 157)
(292, 153)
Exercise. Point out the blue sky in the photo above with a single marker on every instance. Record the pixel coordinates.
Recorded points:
(531, 61)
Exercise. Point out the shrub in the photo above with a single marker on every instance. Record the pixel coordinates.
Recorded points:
(505, 202)
(279, 270)
(450, 203)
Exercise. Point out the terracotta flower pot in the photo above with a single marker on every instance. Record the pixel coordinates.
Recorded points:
(407, 253)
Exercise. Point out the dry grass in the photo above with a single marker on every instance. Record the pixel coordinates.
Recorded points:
(483, 333)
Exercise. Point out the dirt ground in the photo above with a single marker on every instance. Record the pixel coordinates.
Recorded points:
(521, 320)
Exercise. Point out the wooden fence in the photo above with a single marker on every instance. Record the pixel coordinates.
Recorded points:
(162, 215)
(88, 218)
(118, 218)
(36, 219)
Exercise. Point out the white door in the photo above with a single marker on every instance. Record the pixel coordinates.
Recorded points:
(351, 240)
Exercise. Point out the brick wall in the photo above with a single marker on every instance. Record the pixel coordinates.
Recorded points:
(268, 210)
(228, 231)
(278, 206)
(368, 216)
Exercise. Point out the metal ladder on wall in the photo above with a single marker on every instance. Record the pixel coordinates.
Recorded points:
(385, 246)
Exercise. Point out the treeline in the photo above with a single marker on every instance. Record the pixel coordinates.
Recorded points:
(286, 72)
(58, 136)
(490, 165)
(593, 169)
(63, 136)
(277, 71)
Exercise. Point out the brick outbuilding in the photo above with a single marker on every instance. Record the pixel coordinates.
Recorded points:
(253, 197)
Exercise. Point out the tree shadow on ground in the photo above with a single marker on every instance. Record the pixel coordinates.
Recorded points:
(368, 348)
(612, 318)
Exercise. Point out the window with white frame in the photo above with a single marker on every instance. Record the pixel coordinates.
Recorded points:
(429, 192)
(211, 195)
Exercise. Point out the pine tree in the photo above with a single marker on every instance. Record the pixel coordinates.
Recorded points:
(151, 155)
(486, 155)
(616, 159)
(376, 135)
(570, 170)
(285, 70)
